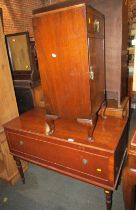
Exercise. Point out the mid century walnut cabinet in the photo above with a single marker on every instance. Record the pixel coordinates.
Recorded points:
(70, 45)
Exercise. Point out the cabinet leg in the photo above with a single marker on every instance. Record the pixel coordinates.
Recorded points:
(108, 194)
(90, 124)
(103, 109)
(20, 169)
(50, 124)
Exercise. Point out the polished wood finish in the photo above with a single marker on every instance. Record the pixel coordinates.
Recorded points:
(129, 176)
(70, 46)
(67, 151)
(38, 96)
(116, 43)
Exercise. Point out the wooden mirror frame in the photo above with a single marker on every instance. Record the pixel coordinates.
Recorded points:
(21, 74)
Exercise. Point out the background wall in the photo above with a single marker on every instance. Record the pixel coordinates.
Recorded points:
(17, 14)
(131, 6)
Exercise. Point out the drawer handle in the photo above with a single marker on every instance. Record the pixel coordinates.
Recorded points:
(21, 143)
(84, 161)
(99, 169)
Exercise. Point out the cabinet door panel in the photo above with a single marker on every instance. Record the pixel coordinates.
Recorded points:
(97, 72)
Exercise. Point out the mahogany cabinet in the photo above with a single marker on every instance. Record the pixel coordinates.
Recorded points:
(70, 46)
(66, 151)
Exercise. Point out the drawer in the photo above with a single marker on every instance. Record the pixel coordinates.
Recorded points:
(16, 142)
(95, 24)
(67, 157)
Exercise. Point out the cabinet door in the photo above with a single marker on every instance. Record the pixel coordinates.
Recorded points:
(61, 40)
(97, 72)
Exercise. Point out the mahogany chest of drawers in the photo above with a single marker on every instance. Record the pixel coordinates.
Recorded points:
(67, 150)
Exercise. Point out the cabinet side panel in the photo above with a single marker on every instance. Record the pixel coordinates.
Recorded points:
(61, 41)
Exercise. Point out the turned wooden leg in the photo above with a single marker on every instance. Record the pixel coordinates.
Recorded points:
(20, 169)
(108, 194)
(129, 181)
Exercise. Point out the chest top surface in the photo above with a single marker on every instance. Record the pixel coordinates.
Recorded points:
(107, 133)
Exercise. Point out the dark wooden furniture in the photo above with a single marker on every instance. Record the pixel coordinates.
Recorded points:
(129, 176)
(70, 46)
(116, 44)
(24, 68)
(67, 151)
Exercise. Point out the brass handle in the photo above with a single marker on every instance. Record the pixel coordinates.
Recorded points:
(91, 73)
(21, 142)
(96, 26)
(85, 161)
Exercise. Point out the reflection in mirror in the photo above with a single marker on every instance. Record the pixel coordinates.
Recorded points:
(18, 51)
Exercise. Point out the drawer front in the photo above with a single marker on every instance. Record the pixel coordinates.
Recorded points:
(61, 156)
(16, 142)
(95, 24)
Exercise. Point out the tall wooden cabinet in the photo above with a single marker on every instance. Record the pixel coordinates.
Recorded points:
(8, 111)
(70, 45)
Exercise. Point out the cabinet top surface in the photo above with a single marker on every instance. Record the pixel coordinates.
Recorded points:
(61, 5)
(107, 133)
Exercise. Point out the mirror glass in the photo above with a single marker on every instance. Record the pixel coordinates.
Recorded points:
(18, 52)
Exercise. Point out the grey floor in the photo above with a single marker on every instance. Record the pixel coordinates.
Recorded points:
(47, 190)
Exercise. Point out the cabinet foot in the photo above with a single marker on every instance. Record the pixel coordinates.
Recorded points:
(50, 124)
(108, 194)
(90, 124)
(20, 169)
